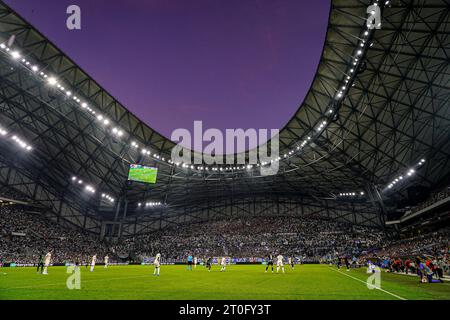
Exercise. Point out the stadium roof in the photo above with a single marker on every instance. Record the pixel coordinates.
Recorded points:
(381, 96)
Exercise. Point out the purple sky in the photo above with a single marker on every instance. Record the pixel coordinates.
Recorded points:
(230, 63)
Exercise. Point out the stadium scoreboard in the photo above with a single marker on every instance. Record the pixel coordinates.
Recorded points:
(143, 174)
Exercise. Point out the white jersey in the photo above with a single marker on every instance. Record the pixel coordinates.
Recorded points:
(94, 260)
(48, 257)
(195, 260)
(224, 262)
(106, 260)
(157, 261)
(280, 260)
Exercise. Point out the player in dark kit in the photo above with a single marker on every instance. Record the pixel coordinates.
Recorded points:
(208, 264)
(347, 263)
(339, 263)
(40, 264)
(269, 262)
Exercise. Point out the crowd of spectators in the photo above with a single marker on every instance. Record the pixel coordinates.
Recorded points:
(422, 254)
(24, 236)
(309, 238)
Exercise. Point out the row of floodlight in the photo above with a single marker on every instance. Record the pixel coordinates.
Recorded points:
(108, 197)
(91, 189)
(149, 204)
(20, 142)
(80, 182)
(342, 88)
(351, 194)
(53, 81)
(409, 173)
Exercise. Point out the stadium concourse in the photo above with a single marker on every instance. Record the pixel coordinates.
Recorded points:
(362, 177)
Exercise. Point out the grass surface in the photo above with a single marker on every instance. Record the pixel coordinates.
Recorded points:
(237, 283)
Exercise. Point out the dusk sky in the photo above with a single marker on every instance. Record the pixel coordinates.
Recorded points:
(230, 63)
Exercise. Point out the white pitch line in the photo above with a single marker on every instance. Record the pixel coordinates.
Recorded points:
(385, 291)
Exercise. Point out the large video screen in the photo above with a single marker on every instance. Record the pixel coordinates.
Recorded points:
(142, 174)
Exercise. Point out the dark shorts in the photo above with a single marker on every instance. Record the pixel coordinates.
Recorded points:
(190, 263)
(270, 263)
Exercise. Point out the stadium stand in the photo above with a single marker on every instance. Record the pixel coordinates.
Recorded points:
(25, 235)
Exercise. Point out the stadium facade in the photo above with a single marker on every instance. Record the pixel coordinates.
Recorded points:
(378, 108)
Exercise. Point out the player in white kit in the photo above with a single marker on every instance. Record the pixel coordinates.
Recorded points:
(223, 263)
(106, 261)
(291, 262)
(280, 263)
(195, 262)
(94, 260)
(157, 264)
(48, 258)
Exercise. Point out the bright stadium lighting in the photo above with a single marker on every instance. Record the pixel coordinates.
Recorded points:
(15, 55)
(51, 81)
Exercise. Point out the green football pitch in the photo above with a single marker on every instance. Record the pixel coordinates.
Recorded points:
(237, 283)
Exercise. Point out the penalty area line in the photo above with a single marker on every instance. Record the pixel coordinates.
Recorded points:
(385, 291)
